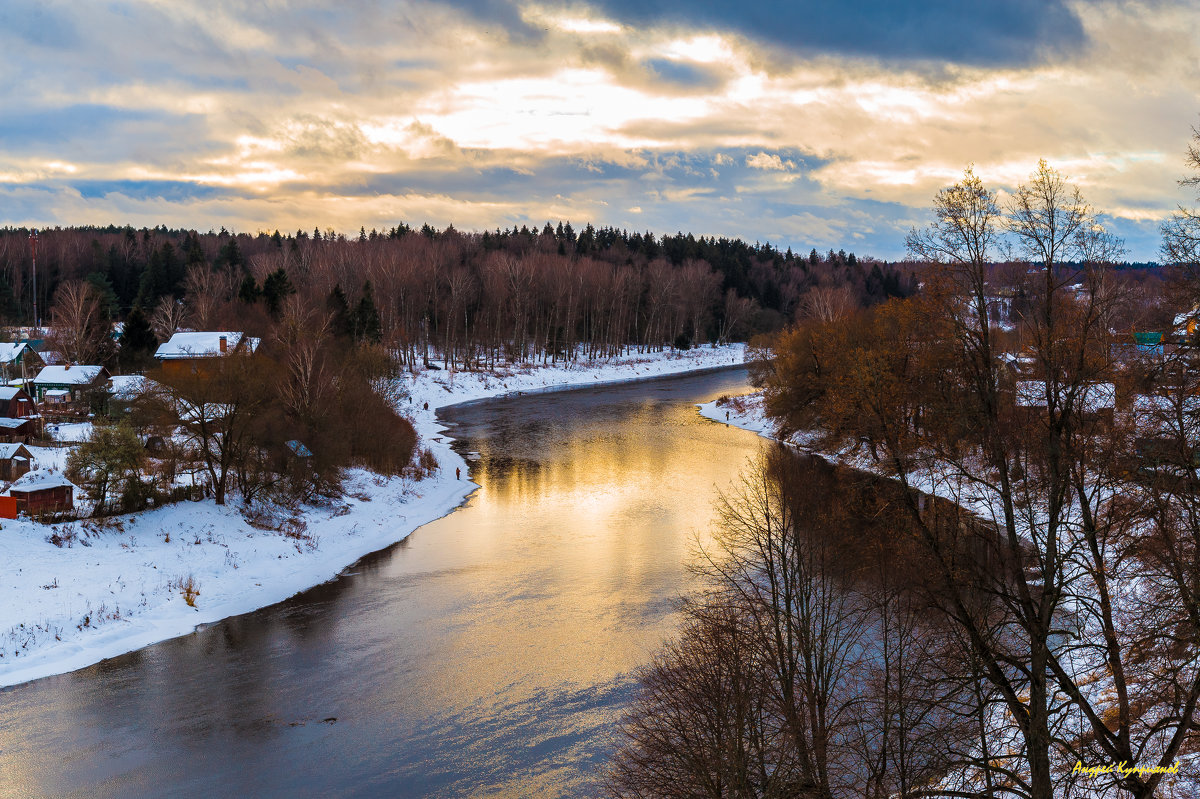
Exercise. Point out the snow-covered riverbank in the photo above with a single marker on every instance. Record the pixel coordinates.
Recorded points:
(746, 412)
(110, 590)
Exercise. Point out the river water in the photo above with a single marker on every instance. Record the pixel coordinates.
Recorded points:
(489, 654)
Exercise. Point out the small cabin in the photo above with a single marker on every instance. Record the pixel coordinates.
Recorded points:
(15, 403)
(42, 492)
(15, 461)
(20, 430)
(1095, 403)
(70, 383)
(19, 359)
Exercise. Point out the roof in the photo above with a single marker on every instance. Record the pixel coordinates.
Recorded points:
(39, 480)
(57, 392)
(9, 392)
(11, 351)
(68, 375)
(299, 448)
(202, 344)
(128, 386)
(12, 424)
(8, 451)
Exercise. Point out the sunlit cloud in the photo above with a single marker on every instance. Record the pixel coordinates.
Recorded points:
(486, 114)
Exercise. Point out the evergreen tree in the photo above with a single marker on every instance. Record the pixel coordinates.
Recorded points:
(230, 255)
(138, 341)
(367, 325)
(249, 292)
(275, 288)
(339, 308)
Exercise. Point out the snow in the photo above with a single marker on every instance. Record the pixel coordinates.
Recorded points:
(1095, 396)
(10, 351)
(68, 375)
(203, 344)
(39, 479)
(744, 411)
(7, 451)
(110, 589)
(127, 386)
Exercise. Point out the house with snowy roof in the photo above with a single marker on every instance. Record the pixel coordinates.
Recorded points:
(69, 384)
(15, 461)
(192, 352)
(39, 491)
(15, 403)
(18, 359)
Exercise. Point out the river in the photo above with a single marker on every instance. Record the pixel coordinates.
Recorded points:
(489, 654)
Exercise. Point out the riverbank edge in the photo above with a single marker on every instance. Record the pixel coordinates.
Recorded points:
(377, 500)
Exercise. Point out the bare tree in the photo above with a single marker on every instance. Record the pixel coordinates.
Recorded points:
(827, 303)
(1181, 233)
(168, 317)
(79, 330)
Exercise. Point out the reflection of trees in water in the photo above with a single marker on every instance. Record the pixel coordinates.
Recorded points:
(817, 661)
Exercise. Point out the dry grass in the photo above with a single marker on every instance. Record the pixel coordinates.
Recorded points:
(188, 588)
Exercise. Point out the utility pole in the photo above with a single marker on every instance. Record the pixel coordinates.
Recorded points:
(33, 240)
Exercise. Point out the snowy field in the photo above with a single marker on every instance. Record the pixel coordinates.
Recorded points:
(98, 591)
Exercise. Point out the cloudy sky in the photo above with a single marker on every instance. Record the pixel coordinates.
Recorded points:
(798, 122)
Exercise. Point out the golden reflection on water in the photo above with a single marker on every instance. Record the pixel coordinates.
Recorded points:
(488, 655)
(581, 536)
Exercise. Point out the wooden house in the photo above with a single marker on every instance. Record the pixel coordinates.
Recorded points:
(15, 403)
(69, 385)
(193, 352)
(42, 492)
(15, 461)
(21, 430)
(19, 360)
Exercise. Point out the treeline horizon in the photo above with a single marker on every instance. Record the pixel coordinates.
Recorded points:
(471, 299)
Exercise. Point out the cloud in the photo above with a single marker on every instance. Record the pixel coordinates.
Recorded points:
(810, 124)
(1006, 32)
(769, 162)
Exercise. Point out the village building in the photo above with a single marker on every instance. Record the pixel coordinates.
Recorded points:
(15, 461)
(15, 403)
(192, 352)
(71, 390)
(20, 430)
(38, 492)
(18, 360)
(69, 384)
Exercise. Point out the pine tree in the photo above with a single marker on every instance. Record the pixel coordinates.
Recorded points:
(367, 326)
(339, 308)
(249, 292)
(275, 288)
(138, 341)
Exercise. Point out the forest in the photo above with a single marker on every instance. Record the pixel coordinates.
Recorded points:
(466, 299)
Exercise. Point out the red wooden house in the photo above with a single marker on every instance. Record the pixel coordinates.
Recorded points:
(15, 403)
(42, 492)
